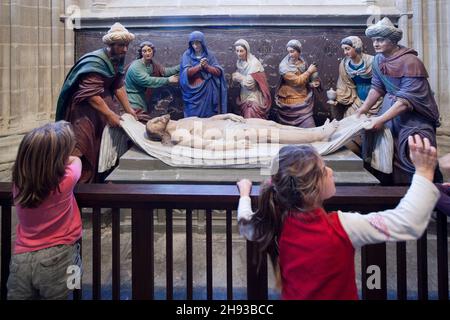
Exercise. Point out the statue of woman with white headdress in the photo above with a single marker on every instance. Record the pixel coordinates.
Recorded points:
(294, 96)
(254, 100)
(355, 77)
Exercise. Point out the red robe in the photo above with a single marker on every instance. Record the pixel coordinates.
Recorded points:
(250, 109)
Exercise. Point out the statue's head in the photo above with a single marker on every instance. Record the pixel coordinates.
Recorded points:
(294, 49)
(197, 42)
(242, 49)
(146, 50)
(156, 127)
(385, 35)
(352, 46)
(117, 39)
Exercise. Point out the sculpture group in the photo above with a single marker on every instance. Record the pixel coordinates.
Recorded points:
(391, 89)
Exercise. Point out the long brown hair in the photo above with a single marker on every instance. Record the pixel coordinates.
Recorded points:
(295, 184)
(41, 162)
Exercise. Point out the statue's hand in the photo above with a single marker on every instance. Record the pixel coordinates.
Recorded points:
(174, 79)
(375, 123)
(235, 118)
(204, 63)
(312, 68)
(132, 112)
(113, 119)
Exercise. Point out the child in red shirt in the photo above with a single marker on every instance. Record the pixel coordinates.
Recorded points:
(313, 251)
(49, 222)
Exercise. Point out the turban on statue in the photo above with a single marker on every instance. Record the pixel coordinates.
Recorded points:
(294, 44)
(117, 33)
(354, 42)
(385, 29)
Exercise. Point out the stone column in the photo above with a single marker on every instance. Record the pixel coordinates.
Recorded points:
(430, 38)
(443, 61)
(5, 71)
(32, 68)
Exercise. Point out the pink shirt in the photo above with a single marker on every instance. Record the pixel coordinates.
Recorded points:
(56, 221)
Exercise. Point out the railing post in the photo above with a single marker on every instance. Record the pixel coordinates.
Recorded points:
(5, 249)
(373, 272)
(142, 269)
(442, 256)
(257, 283)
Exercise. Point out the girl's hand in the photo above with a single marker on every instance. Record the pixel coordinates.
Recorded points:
(423, 156)
(244, 186)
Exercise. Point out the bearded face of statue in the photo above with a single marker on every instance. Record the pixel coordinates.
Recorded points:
(118, 50)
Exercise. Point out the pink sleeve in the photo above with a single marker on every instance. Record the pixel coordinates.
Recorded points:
(73, 173)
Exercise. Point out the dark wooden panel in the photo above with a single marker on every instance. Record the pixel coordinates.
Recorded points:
(320, 44)
(373, 260)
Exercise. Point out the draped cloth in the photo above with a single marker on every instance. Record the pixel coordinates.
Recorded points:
(93, 75)
(255, 99)
(258, 155)
(294, 98)
(208, 97)
(403, 76)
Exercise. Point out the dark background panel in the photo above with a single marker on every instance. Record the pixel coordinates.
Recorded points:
(268, 44)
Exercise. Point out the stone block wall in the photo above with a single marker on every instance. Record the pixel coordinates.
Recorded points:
(36, 49)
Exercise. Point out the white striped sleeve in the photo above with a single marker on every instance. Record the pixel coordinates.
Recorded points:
(244, 216)
(407, 221)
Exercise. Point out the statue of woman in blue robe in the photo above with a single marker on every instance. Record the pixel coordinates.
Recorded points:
(202, 80)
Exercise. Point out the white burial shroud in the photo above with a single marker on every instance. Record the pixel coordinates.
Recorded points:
(256, 156)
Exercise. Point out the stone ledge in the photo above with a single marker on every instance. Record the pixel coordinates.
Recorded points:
(287, 19)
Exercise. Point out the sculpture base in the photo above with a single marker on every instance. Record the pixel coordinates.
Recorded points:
(135, 166)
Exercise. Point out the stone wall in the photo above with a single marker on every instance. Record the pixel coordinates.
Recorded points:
(35, 52)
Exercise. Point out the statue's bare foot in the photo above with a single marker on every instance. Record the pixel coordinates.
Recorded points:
(328, 129)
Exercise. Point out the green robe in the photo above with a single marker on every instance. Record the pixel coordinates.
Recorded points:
(139, 77)
(96, 61)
